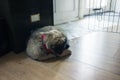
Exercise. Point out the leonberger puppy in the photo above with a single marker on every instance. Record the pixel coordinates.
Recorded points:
(47, 42)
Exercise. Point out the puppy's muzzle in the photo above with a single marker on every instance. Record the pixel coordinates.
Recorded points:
(58, 49)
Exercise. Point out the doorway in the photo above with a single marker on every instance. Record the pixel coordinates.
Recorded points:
(65, 10)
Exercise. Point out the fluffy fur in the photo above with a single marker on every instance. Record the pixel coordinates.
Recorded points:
(35, 48)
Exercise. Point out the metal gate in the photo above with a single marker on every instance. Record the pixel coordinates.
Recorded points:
(104, 15)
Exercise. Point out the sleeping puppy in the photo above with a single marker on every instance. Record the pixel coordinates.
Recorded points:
(46, 43)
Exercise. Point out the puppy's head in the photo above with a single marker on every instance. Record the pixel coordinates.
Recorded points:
(57, 41)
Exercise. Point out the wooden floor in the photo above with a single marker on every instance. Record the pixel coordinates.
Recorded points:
(95, 56)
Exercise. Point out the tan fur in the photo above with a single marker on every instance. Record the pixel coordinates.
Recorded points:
(34, 47)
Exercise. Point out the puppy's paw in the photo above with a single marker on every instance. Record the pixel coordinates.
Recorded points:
(66, 53)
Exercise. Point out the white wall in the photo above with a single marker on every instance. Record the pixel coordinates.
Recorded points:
(81, 8)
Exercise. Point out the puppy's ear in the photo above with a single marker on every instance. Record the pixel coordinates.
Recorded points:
(63, 39)
(49, 36)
